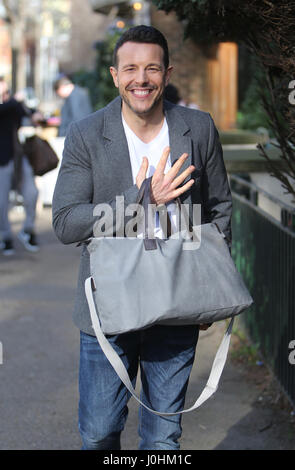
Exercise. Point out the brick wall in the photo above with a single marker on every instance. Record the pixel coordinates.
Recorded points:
(87, 27)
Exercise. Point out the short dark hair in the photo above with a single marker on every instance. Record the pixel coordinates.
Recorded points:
(61, 81)
(143, 34)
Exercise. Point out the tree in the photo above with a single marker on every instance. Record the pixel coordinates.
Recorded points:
(267, 28)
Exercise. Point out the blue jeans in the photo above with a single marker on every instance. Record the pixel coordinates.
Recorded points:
(165, 355)
(29, 192)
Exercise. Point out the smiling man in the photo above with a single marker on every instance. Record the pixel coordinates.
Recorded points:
(141, 76)
(109, 154)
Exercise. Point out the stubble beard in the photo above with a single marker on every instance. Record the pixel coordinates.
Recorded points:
(158, 99)
(143, 112)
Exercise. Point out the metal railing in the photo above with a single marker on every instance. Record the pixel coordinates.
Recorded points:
(264, 253)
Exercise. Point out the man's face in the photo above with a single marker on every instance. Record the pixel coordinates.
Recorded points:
(140, 76)
(65, 90)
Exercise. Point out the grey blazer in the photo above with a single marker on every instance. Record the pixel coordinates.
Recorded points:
(96, 168)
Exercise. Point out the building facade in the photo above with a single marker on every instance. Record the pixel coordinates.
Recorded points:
(5, 51)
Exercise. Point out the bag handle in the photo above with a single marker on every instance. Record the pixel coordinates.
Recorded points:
(144, 197)
(120, 369)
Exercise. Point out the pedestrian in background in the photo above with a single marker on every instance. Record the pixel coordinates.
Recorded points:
(15, 170)
(76, 103)
(171, 94)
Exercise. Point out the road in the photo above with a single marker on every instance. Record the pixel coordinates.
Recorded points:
(39, 373)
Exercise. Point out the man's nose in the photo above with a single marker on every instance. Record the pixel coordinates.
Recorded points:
(141, 77)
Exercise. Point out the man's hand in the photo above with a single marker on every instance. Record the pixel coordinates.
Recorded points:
(164, 187)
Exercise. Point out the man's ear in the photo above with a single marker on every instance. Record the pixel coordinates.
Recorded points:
(114, 74)
(168, 74)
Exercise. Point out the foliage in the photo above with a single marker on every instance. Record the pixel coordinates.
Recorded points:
(267, 28)
(251, 114)
(209, 21)
(235, 20)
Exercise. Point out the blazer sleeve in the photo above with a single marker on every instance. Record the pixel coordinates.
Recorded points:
(216, 194)
(72, 205)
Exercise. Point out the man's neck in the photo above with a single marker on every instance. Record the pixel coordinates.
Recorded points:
(146, 127)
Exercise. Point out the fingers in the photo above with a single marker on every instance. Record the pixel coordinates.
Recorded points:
(164, 187)
(143, 167)
(141, 175)
(160, 170)
(162, 162)
(176, 166)
(144, 164)
(177, 192)
(177, 181)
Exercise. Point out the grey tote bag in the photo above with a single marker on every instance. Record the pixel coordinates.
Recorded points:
(139, 282)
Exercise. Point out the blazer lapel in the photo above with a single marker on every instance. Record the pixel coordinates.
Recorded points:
(180, 142)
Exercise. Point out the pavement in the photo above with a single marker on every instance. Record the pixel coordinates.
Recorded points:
(39, 369)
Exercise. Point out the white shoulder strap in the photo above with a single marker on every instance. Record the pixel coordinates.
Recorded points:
(120, 369)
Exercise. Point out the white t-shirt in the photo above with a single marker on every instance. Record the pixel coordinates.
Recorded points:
(153, 151)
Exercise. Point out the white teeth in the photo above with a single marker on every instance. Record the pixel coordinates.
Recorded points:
(141, 92)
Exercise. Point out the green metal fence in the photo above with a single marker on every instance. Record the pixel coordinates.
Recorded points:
(264, 252)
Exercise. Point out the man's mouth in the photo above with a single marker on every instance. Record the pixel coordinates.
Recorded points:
(141, 93)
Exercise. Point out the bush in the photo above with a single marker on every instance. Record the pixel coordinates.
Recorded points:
(252, 114)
